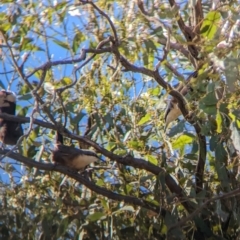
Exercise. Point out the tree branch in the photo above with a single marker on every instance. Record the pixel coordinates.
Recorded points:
(48, 65)
(78, 177)
(198, 16)
(187, 32)
(127, 160)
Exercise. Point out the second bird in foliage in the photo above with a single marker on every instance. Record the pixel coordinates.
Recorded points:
(10, 131)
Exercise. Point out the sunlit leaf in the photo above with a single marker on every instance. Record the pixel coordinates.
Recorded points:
(145, 119)
(219, 122)
(78, 38)
(152, 159)
(210, 24)
(135, 144)
(182, 140)
(96, 216)
(155, 91)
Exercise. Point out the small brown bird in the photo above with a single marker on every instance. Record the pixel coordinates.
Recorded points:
(10, 131)
(172, 111)
(71, 157)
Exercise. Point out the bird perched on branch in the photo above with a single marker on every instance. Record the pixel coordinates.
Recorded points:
(10, 131)
(173, 111)
(77, 159)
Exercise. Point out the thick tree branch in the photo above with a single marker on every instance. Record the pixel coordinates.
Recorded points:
(198, 16)
(187, 32)
(128, 160)
(78, 177)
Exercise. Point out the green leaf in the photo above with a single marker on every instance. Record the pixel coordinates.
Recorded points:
(150, 46)
(176, 129)
(5, 27)
(213, 142)
(22, 111)
(221, 160)
(62, 44)
(135, 144)
(25, 97)
(152, 159)
(155, 91)
(60, 5)
(182, 141)
(210, 99)
(210, 24)
(208, 103)
(63, 226)
(96, 216)
(128, 188)
(125, 208)
(100, 183)
(77, 118)
(144, 119)
(219, 122)
(78, 38)
(66, 81)
(105, 204)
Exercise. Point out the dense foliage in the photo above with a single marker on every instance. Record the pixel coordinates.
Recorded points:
(100, 72)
